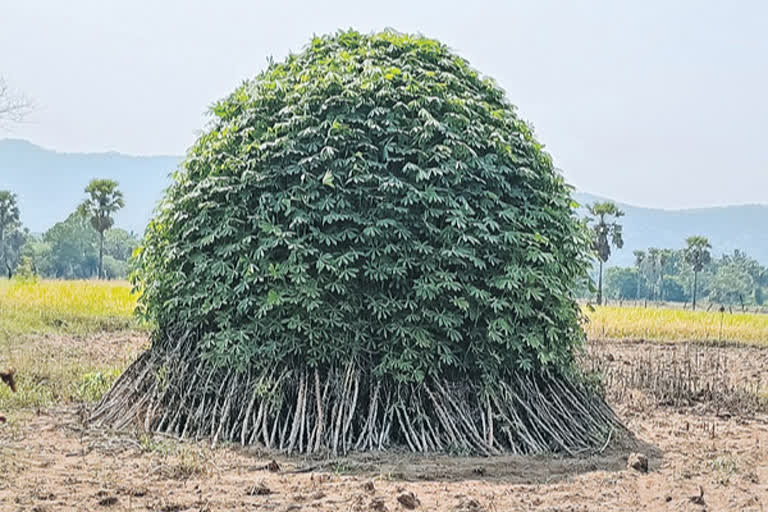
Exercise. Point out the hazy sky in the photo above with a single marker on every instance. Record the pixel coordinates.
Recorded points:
(658, 102)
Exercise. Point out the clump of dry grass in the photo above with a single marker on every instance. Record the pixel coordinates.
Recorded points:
(177, 460)
(678, 375)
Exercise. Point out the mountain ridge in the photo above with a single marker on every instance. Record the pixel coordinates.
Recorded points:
(727, 227)
(50, 184)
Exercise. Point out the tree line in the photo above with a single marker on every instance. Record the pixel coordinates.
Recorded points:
(675, 275)
(84, 245)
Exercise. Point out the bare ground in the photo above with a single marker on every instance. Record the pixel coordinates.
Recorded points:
(51, 463)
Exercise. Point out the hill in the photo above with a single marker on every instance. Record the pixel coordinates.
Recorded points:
(728, 228)
(50, 185)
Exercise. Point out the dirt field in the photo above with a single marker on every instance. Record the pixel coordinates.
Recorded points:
(698, 444)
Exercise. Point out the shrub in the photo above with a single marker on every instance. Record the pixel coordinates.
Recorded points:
(367, 227)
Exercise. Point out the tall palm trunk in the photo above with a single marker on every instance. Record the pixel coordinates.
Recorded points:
(661, 285)
(2, 245)
(101, 255)
(600, 284)
(695, 279)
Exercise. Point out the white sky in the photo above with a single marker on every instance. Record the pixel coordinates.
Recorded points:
(657, 103)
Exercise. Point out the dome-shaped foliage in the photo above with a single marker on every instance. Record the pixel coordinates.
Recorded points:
(371, 198)
(367, 249)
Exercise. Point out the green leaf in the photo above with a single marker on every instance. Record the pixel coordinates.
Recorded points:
(328, 179)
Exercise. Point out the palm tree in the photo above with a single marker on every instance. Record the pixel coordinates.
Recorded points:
(654, 258)
(605, 234)
(665, 255)
(104, 199)
(639, 259)
(697, 255)
(10, 219)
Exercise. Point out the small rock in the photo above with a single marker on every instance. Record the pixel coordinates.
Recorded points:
(46, 496)
(273, 466)
(378, 505)
(108, 501)
(638, 462)
(408, 500)
(369, 487)
(136, 492)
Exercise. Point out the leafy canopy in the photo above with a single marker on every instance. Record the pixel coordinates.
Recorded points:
(697, 252)
(71, 249)
(10, 222)
(371, 199)
(10, 215)
(103, 201)
(606, 232)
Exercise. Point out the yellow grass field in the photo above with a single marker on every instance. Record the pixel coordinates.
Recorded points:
(637, 323)
(79, 307)
(65, 306)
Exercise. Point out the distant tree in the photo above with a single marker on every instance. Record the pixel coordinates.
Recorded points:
(10, 215)
(697, 255)
(731, 285)
(653, 264)
(606, 232)
(10, 222)
(38, 254)
(119, 244)
(740, 259)
(738, 263)
(114, 268)
(103, 201)
(658, 259)
(620, 283)
(71, 249)
(639, 260)
(14, 243)
(666, 256)
(674, 290)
